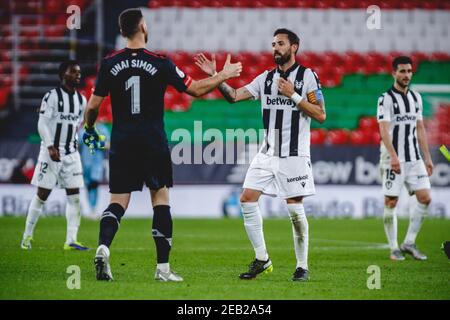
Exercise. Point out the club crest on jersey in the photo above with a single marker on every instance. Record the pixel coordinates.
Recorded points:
(298, 84)
(268, 83)
(388, 185)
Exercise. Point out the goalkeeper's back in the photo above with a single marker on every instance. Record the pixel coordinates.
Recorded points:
(137, 79)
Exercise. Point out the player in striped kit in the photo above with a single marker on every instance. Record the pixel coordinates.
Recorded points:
(59, 162)
(403, 137)
(290, 96)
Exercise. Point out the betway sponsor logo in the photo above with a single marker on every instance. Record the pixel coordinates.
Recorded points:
(279, 101)
(406, 117)
(296, 179)
(69, 117)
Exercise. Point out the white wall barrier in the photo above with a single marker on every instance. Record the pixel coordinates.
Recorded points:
(211, 201)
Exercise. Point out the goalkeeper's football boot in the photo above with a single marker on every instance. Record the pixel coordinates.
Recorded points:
(167, 276)
(102, 268)
(255, 268)
(412, 250)
(396, 255)
(300, 274)
(25, 244)
(75, 246)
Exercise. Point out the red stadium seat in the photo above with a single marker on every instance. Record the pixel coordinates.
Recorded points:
(338, 136)
(360, 137)
(368, 124)
(318, 136)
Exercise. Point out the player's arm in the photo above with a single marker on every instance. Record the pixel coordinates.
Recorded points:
(201, 87)
(91, 137)
(44, 122)
(315, 110)
(230, 94)
(384, 123)
(387, 141)
(92, 109)
(423, 145)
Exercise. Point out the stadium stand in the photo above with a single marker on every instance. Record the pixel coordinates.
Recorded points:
(352, 77)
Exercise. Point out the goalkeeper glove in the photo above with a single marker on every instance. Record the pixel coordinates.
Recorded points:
(93, 139)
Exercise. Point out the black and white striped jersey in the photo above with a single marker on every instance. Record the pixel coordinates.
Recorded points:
(287, 129)
(402, 111)
(65, 112)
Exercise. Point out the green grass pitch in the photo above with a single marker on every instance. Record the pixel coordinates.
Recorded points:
(210, 254)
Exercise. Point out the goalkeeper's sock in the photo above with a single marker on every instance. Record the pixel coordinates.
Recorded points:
(390, 227)
(73, 217)
(34, 211)
(253, 224)
(93, 194)
(300, 232)
(109, 223)
(415, 222)
(162, 234)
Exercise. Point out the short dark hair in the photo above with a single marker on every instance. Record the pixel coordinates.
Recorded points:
(293, 38)
(129, 21)
(400, 60)
(64, 66)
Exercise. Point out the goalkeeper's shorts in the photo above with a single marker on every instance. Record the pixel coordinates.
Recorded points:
(130, 167)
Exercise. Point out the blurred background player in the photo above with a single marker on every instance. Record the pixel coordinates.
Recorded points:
(403, 140)
(137, 79)
(59, 162)
(283, 161)
(93, 168)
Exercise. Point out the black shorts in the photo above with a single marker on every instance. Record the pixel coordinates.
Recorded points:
(130, 166)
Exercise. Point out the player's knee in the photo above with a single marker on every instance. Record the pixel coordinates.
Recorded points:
(424, 199)
(245, 197)
(390, 202)
(93, 185)
(43, 193)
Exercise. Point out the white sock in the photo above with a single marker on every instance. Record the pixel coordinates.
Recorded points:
(253, 224)
(390, 227)
(300, 232)
(164, 267)
(34, 211)
(415, 222)
(73, 217)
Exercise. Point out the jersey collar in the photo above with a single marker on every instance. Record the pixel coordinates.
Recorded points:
(399, 92)
(69, 93)
(288, 71)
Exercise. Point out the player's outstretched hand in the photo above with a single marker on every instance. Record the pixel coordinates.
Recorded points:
(207, 66)
(54, 153)
(231, 70)
(286, 87)
(93, 139)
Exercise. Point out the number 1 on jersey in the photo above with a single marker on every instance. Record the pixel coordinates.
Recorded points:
(134, 83)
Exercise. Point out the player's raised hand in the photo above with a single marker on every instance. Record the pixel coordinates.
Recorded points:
(207, 66)
(286, 87)
(231, 70)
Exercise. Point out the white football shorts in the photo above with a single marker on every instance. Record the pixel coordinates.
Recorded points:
(286, 177)
(66, 174)
(412, 174)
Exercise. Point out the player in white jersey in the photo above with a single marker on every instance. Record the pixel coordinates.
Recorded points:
(403, 137)
(59, 163)
(283, 164)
